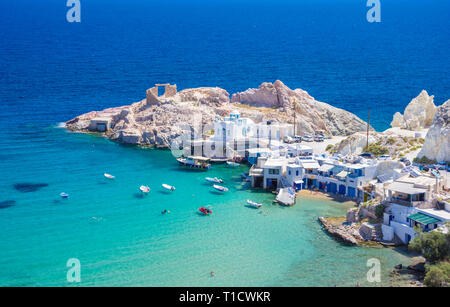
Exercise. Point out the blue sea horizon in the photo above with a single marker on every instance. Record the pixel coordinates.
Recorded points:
(52, 71)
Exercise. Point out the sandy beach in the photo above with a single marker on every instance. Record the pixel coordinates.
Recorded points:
(309, 194)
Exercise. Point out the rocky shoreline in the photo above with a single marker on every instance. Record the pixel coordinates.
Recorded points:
(160, 120)
(345, 234)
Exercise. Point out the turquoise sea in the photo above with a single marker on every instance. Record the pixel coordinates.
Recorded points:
(52, 71)
(122, 239)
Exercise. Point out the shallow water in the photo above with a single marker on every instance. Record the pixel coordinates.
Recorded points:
(121, 238)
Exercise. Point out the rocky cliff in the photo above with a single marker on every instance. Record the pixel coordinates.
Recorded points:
(418, 113)
(437, 140)
(311, 114)
(162, 120)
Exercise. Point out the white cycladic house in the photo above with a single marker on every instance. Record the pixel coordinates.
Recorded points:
(233, 127)
(272, 130)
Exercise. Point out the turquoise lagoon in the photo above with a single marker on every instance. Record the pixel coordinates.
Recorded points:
(122, 239)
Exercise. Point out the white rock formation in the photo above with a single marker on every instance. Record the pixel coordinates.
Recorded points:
(311, 114)
(355, 143)
(437, 140)
(164, 119)
(418, 113)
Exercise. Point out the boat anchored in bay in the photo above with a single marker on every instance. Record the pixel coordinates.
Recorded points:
(220, 188)
(194, 162)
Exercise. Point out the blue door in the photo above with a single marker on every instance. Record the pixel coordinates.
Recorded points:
(407, 238)
(351, 192)
(342, 189)
(332, 188)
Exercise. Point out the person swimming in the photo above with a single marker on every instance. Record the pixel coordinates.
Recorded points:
(213, 273)
(164, 211)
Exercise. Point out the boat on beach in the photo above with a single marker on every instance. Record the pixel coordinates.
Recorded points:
(220, 188)
(286, 197)
(109, 176)
(168, 187)
(215, 179)
(193, 162)
(233, 164)
(253, 204)
(205, 211)
(144, 189)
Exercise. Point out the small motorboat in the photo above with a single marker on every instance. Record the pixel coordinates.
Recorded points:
(253, 204)
(144, 189)
(232, 163)
(215, 179)
(109, 176)
(205, 211)
(220, 188)
(168, 187)
(64, 195)
(245, 177)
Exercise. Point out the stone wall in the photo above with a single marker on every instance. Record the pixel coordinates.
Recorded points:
(152, 93)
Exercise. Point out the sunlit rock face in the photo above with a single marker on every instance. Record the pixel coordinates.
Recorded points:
(437, 140)
(161, 120)
(419, 113)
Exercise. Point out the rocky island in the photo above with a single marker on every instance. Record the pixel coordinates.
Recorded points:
(157, 120)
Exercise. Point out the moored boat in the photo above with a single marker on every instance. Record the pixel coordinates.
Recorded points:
(144, 189)
(232, 163)
(168, 187)
(64, 195)
(220, 188)
(205, 211)
(215, 179)
(109, 176)
(199, 163)
(253, 204)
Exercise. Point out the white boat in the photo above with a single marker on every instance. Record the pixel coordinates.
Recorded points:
(215, 179)
(168, 187)
(64, 195)
(144, 189)
(220, 188)
(234, 164)
(109, 176)
(253, 204)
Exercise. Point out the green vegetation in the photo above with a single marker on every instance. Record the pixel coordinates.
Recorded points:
(376, 149)
(421, 140)
(379, 210)
(424, 160)
(209, 132)
(435, 247)
(329, 147)
(390, 141)
(438, 275)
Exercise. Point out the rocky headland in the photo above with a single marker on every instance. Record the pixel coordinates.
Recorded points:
(437, 140)
(421, 131)
(158, 120)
